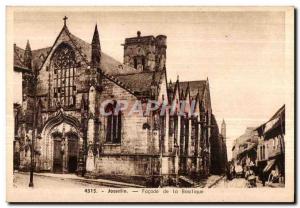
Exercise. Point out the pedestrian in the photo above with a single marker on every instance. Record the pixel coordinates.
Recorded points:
(262, 176)
(234, 172)
(228, 174)
(273, 176)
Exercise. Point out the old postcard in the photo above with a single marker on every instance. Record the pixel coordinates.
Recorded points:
(150, 104)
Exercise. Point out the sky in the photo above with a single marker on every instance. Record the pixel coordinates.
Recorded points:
(241, 53)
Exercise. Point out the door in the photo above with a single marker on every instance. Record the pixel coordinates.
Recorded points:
(57, 157)
(72, 154)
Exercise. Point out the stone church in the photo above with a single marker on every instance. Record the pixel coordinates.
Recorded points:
(58, 111)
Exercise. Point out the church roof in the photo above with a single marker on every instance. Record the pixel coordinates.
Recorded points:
(38, 57)
(140, 83)
(19, 58)
(108, 64)
(191, 87)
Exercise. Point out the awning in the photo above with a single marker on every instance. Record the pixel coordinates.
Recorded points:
(269, 165)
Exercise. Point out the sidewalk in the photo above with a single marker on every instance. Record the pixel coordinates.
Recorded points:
(100, 182)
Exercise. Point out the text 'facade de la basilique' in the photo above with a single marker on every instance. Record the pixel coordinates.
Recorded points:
(62, 88)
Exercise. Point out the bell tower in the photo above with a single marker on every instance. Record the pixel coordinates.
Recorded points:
(145, 53)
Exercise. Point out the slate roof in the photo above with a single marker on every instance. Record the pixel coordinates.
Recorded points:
(140, 82)
(19, 58)
(194, 88)
(39, 56)
(108, 64)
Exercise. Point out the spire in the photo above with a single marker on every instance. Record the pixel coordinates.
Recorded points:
(223, 129)
(96, 49)
(28, 55)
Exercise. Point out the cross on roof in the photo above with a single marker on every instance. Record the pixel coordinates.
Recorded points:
(65, 20)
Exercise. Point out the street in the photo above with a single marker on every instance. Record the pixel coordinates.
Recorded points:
(242, 183)
(22, 180)
(46, 180)
(235, 183)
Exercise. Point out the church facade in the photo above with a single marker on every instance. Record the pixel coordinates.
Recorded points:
(71, 108)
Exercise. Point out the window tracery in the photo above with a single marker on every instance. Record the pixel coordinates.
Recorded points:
(64, 67)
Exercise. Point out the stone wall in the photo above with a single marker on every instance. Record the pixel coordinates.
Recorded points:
(134, 138)
(145, 52)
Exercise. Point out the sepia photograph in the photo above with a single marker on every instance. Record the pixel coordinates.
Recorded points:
(150, 104)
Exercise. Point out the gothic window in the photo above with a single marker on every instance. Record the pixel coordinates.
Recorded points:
(173, 128)
(162, 126)
(182, 134)
(195, 135)
(113, 124)
(64, 66)
(186, 134)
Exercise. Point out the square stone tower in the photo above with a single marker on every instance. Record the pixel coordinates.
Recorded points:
(146, 53)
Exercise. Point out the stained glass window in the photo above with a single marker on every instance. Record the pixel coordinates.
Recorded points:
(64, 66)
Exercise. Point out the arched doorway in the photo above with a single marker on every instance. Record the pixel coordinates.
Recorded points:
(60, 143)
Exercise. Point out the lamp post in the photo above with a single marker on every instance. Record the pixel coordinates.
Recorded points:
(32, 150)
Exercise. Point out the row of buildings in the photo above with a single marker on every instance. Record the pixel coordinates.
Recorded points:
(59, 93)
(263, 147)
